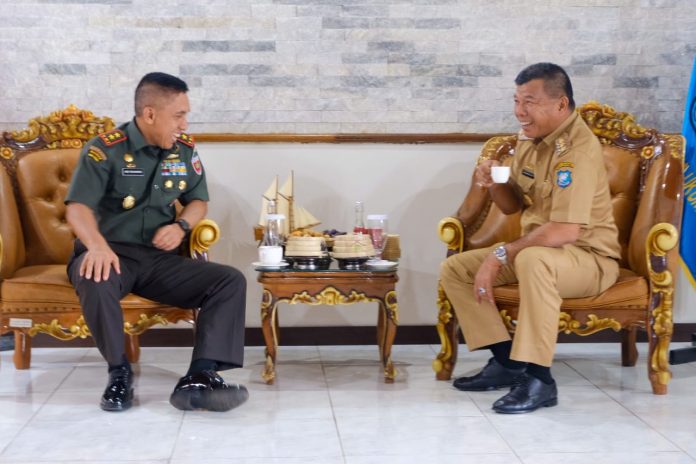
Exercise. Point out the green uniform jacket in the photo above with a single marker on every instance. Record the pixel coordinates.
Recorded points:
(132, 186)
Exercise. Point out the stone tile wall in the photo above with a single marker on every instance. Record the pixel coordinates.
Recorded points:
(341, 66)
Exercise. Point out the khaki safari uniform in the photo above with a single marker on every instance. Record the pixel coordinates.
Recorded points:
(131, 187)
(563, 179)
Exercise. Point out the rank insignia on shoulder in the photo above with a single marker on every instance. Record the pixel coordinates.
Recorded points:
(96, 154)
(562, 145)
(186, 139)
(113, 137)
(564, 178)
(528, 172)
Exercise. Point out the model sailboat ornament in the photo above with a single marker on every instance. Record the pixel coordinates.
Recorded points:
(296, 217)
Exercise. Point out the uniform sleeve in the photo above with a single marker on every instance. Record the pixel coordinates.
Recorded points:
(90, 178)
(198, 187)
(574, 182)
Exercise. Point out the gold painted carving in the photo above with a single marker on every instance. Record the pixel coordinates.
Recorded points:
(203, 236)
(6, 152)
(594, 324)
(568, 325)
(451, 231)
(144, 323)
(71, 126)
(443, 318)
(79, 329)
(328, 296)
(662, 238)
(391, 307)
(609, 124)
(677, 145)
(493, 145)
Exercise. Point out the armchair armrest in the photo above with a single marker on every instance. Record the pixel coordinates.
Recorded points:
(203, 235)
(451, 231)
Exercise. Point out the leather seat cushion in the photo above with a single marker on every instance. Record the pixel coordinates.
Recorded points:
(47, 286)
(629, 292)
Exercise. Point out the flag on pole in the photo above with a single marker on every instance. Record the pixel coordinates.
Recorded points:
(687, 248)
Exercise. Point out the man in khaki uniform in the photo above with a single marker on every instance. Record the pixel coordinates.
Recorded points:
(568, 249)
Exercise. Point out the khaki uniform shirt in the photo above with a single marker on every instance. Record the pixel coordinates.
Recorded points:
(563, 179)
(131, 186)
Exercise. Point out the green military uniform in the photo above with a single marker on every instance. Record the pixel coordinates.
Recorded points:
(563, 179)
(131, 187)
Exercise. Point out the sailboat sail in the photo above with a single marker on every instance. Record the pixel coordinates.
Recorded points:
(296, 217)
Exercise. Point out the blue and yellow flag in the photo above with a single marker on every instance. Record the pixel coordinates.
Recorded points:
(687, 249)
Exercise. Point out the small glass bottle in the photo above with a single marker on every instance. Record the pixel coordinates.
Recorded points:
(359, 226)
(272, 233)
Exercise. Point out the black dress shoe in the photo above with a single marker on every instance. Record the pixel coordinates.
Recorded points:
(118, 395)
(207, 390)
(528, 395)
(492, 377)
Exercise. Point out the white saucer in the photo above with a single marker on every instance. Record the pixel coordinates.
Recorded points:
(381, 264)
(261, 265)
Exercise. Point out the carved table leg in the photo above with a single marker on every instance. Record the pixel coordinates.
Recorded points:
(447, 328)
(22, 350)
(269, 327)
(387, 322)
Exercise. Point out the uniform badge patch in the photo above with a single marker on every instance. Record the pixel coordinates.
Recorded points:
(196, 163)
(186, 139)
(96, 154)
(113, 137)
(564, 178)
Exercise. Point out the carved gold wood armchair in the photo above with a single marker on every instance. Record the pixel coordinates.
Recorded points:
(645, 171)
(36, 242)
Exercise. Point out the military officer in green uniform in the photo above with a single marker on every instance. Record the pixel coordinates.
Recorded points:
(121, 207)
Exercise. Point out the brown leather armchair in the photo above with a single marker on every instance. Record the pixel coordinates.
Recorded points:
(645, 170)
(36, 242)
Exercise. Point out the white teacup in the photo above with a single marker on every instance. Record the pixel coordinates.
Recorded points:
(500, 174)
(270, 254)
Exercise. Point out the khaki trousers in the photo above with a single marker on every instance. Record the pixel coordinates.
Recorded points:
(545, 276)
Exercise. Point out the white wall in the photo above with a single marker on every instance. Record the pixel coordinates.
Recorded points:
(416, 185)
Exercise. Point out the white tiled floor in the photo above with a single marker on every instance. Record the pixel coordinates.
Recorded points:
(329, 406)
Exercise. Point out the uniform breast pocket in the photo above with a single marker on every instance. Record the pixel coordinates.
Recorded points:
(172, 189)
(526, 184)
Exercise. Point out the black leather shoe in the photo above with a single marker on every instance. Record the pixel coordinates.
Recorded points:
(118, 395)
(492, 377)
(207, 390)
(528, 395)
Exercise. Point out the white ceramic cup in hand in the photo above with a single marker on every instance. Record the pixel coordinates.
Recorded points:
(500, 174)
(270, 254)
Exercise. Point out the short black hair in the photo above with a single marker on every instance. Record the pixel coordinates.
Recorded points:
(156, 84)
(556, 80)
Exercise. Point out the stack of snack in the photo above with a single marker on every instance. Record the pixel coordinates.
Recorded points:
(392, 249)
(306, 247)
(352, 246)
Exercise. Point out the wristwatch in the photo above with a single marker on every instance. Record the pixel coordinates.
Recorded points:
(183, 223)
(500, 252)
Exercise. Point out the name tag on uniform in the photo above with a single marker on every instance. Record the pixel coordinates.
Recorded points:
(129, 172)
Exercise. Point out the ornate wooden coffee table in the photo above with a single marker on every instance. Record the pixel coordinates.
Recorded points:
(329, 287)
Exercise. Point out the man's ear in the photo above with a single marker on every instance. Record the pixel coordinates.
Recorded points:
(148, 115)
(563, 104)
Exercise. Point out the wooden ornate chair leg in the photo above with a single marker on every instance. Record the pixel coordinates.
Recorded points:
(133, 348)
(447, 328)
(629, 352)
(22, 350)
